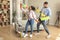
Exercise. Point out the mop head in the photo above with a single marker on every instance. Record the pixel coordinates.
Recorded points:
(21, 34)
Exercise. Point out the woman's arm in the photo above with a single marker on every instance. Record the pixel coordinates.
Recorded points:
(34, 16)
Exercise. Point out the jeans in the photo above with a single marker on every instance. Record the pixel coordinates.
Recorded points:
(29, 22)
(44, 25)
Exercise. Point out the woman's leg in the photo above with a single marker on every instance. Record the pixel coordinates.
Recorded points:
(31, 25)
(26, 27)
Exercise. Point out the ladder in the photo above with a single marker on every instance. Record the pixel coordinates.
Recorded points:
(57, 23)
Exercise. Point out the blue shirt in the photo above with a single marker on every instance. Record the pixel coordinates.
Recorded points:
(46, 11)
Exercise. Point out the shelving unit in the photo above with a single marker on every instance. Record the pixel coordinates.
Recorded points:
(4, 12)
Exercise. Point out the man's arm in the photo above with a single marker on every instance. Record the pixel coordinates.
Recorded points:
(49, 12)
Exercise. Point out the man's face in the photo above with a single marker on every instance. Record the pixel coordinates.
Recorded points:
(45, 5)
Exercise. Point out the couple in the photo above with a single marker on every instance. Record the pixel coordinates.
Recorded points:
(32, 17)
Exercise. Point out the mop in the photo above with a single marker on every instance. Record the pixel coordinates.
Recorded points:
(19, 28)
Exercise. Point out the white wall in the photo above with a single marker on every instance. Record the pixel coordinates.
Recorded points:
(53, 4)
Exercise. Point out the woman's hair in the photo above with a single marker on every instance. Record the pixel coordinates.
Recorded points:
(33, 8)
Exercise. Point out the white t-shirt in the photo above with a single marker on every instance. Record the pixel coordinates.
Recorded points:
(31, 15)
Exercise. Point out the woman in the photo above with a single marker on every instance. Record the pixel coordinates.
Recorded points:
(31, 18)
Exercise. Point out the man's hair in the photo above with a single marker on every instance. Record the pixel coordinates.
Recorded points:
(46, 2)
(33, 8)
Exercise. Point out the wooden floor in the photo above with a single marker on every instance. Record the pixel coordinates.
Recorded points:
(7, 33)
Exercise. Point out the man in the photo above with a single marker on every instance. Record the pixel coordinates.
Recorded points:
(46, 12)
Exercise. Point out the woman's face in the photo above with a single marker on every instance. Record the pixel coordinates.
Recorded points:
(30, 8)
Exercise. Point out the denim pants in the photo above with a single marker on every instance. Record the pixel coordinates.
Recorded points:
(29, 22)
(44, 25)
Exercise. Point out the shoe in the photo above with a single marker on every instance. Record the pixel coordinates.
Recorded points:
(30, 35)
(48, 36)
(25, 35)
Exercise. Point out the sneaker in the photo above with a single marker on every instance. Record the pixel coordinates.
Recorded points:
(48, 36)
(25, 35)
(30, 35)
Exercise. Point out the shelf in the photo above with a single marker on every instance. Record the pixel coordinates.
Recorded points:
(4, 12)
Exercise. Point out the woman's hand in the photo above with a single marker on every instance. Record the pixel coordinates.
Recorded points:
(37, 20)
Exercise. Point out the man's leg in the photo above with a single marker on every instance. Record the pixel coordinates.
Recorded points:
(45, 27)
(38, 24)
